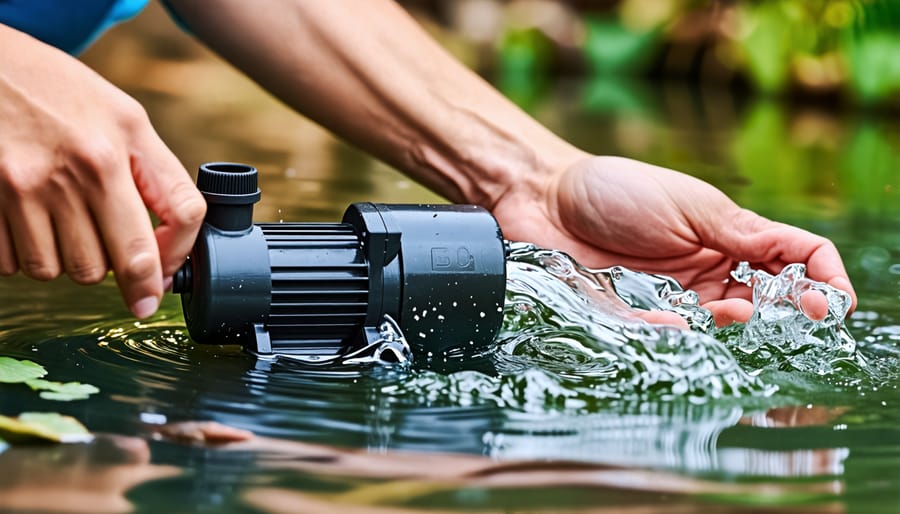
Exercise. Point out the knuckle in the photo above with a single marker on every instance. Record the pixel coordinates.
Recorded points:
(39, 268)
(132, 114)
(8, 268)
(98, 156)
(140, 263)
(19, 182)
(188, 206)
(85, 271)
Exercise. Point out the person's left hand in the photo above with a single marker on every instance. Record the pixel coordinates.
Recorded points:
(607, 211)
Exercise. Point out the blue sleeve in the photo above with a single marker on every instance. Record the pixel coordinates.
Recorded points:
(66, 24)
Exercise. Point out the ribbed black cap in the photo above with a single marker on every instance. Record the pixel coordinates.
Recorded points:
(227, 178)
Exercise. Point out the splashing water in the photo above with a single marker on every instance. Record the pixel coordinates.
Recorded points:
(572, 339)
(583, 326)
(779, 334)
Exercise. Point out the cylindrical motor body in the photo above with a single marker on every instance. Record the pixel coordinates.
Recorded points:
(439, 271)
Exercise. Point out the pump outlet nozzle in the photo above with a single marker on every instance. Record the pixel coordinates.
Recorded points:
(324, 288)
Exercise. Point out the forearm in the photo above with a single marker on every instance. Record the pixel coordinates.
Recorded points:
(367, 71)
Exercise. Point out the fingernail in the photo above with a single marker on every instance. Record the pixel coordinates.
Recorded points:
(145, 307)
(167, 284)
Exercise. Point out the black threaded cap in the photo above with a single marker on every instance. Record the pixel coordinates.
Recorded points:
(228, 178)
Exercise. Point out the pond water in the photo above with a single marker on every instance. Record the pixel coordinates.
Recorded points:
(380, 439)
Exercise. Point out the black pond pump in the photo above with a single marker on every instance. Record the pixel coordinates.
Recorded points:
(438, 271)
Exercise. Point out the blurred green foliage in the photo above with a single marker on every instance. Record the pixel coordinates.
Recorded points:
(793, 162)
(611, 46)
(823, 43)
(846, 46)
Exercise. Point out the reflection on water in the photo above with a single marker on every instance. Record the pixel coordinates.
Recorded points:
(89, 478)
(680, 437)
(830, 447)
(267, 471)
(151, 373)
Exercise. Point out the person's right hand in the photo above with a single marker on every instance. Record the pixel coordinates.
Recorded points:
(79, 160)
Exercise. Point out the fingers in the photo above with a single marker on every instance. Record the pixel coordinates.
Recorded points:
(32, 236)
(83, 257)
(758, 240)
(169, 192)
(127, 234)
(825, 265)
(823, 262)
(814, 305)
(733, 310)
(9, 265)
(663, 318)
(48, 227)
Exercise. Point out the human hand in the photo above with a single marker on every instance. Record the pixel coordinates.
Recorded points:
(608, 211)
(79, 159)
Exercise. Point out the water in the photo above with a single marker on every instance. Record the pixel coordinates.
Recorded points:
(571, 321)
(780, 334)
(578, 395)
(532, 427)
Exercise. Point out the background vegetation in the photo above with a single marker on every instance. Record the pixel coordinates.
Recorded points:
(846, 50)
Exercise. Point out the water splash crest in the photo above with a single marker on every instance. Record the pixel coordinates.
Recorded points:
(780, 335)
(572, 339)
(583, 325)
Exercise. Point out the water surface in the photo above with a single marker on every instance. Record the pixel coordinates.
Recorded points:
(393, 437)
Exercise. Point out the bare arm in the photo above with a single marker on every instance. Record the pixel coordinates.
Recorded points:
(366, 70)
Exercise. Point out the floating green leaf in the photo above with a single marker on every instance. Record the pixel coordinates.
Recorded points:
(48, 426)
(60, 391)
(13, 370)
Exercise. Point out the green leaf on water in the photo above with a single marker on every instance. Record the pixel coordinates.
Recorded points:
(47, 426)
(60, 391)
(13, 370)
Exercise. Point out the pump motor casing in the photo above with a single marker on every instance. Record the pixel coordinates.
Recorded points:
(323, 289)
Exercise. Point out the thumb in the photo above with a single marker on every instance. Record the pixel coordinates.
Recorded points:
(167, 189)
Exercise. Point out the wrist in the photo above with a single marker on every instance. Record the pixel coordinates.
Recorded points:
(485, 164)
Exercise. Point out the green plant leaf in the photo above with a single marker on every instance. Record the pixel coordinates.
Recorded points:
(14, 371)
(60, 391)
(47, 426)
